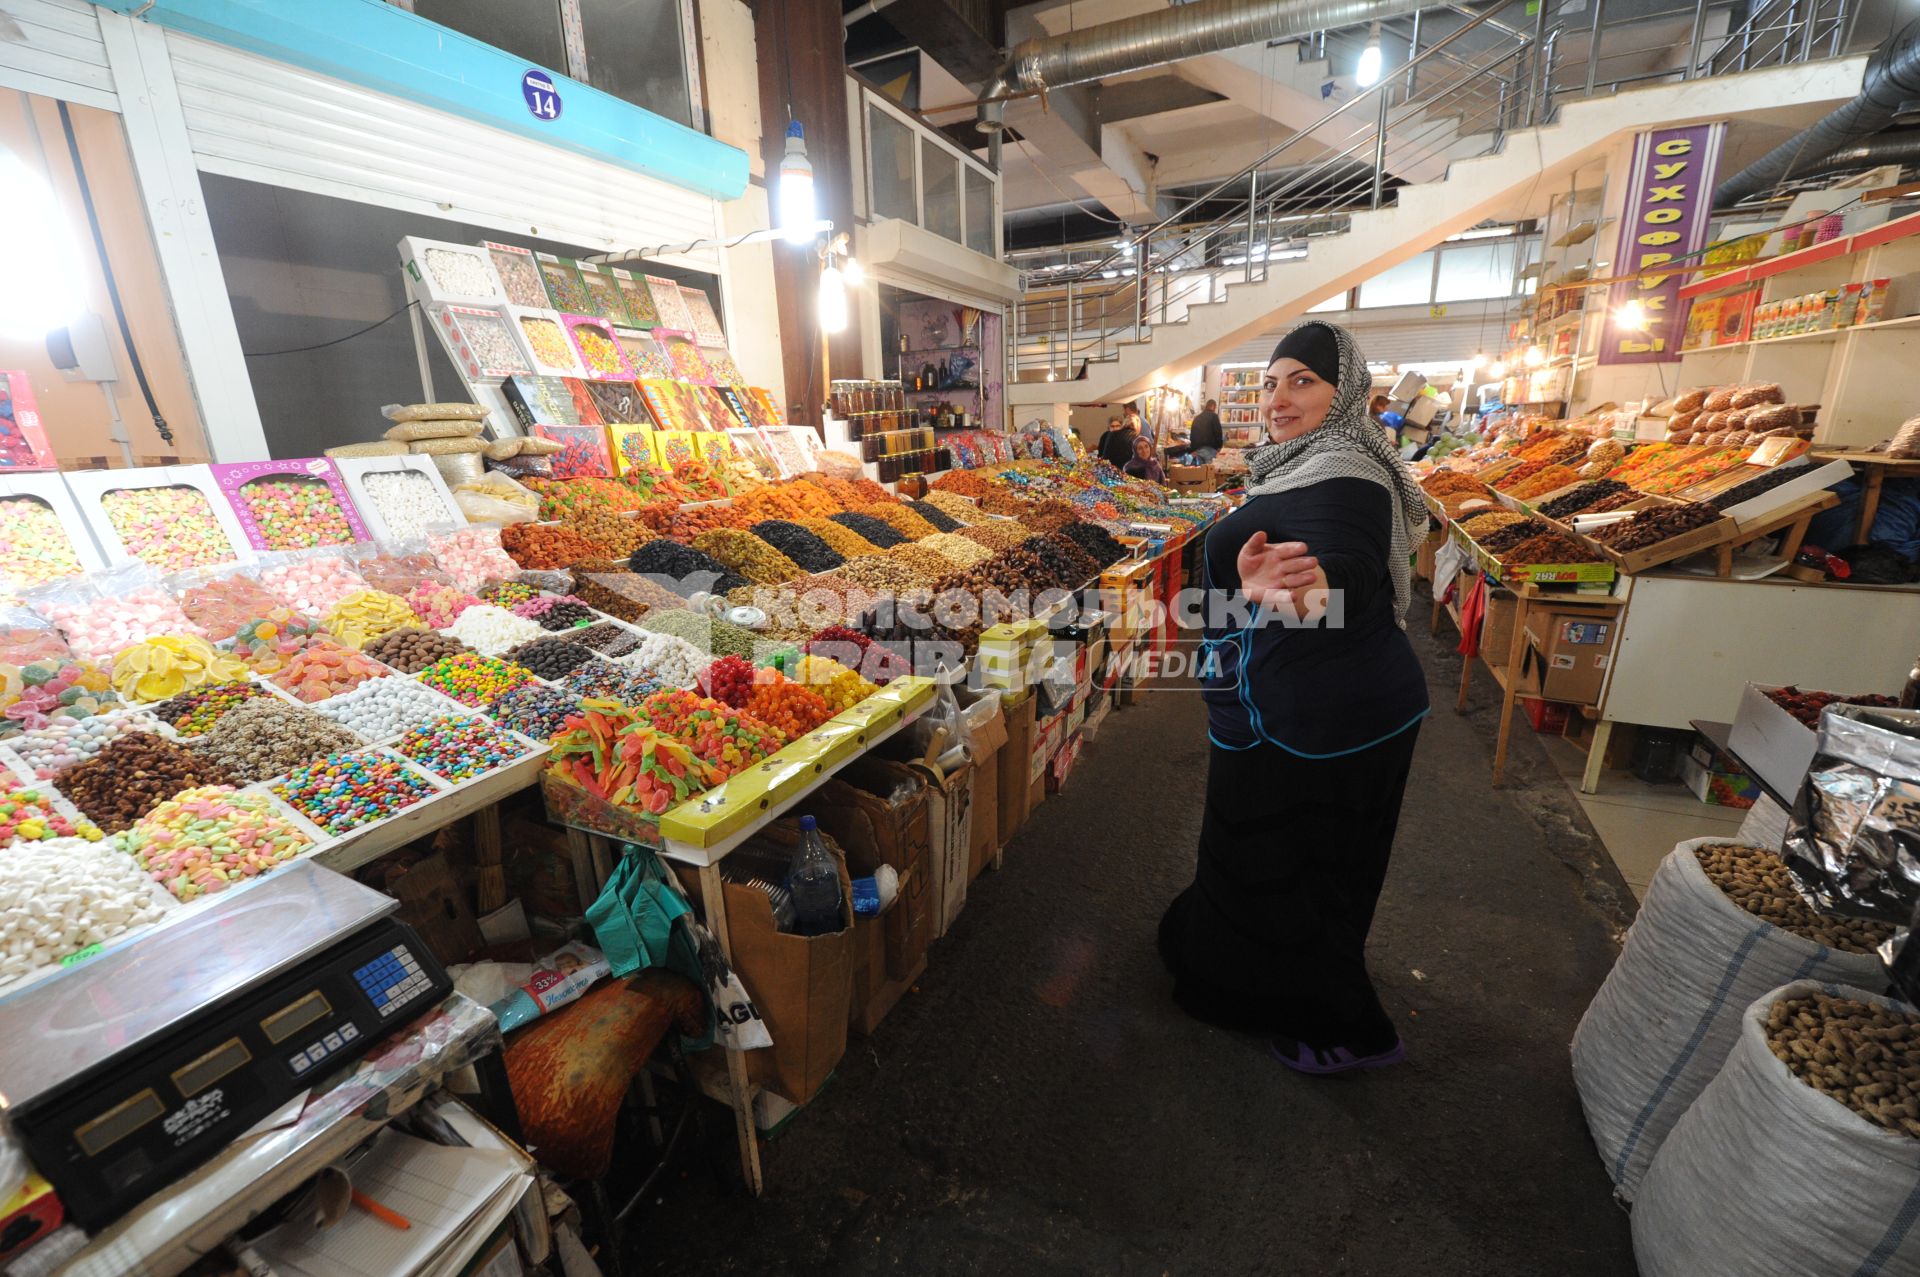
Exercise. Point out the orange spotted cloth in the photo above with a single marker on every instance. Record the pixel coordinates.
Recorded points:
(570, 1070)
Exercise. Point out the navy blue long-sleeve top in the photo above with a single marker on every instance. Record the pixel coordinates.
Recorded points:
(1325, 688)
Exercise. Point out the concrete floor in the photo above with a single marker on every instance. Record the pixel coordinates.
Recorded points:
(1040, 1106)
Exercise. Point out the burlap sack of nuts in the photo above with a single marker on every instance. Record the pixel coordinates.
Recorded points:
(1766, 1174)
(1660, 1025)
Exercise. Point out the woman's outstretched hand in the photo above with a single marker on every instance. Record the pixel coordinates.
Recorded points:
(1279, 575)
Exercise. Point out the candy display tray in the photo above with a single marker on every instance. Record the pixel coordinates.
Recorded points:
(354, 472)
(234, 476)
(459, 326)
(16, 762)
(420, 276)
(89, 486)
(52, 489)
(562, 360)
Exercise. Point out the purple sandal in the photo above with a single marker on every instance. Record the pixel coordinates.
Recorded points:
(1321, 1061)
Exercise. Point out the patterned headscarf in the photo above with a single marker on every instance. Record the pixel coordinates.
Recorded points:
(1349, 444)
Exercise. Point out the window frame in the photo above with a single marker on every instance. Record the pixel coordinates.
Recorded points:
(922, 135)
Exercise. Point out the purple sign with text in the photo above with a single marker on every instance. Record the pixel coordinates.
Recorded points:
(1669, 198)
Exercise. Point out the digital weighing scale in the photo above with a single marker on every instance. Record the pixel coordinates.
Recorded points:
(128, 1071)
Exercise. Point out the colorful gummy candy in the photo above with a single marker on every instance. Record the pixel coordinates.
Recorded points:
(295, 513)
(169, 528)
(42, 692)
(616, 756)
(313, 584)
(221, 605)
(206, 839)
(439, 605)
(509, 594)
(786, 705)
(267, 642)
(833, 682)
(192, 713)
(34, 548)
(474, 680)
(326, 669)
(536, 711)
(157, 668)
(32, 643)
(28, 815)
(367, 614)
(724, 738)
(100, 626)
(472, 556)
(458, 749)
(344, 791)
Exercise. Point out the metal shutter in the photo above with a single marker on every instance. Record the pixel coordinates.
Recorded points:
(58, 52)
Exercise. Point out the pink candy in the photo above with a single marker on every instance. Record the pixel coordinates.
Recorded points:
(100, 628)
(439, 605)
(313, 585)
(473, 557)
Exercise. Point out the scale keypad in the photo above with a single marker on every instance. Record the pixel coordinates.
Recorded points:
(391, 980)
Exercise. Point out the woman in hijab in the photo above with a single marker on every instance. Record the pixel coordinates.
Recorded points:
(1143, 464)
(1314, 702)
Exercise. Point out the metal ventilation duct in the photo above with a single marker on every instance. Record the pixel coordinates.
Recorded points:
(1168, 35)
(1892, 81)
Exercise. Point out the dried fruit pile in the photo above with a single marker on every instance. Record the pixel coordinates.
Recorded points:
(1808, 706)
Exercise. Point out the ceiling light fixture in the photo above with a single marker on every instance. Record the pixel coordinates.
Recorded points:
(1368, 72)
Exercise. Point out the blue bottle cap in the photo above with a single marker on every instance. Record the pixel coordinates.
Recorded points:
(807, 823)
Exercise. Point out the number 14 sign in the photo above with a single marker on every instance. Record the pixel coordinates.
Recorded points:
(543, 99)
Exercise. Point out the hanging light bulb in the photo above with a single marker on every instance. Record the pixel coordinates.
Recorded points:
(1498, 370)
(797, 210)
(1632, 316)
(1535, 356)
(1368, 72)
(42, 289)
(1479, 359)
(832, 302)
(1050, 376)
(856, 273)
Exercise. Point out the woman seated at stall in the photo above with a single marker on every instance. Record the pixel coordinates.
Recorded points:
(1143, 464)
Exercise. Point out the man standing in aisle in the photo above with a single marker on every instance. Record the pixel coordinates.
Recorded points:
(1203, 436)
(1116, 444)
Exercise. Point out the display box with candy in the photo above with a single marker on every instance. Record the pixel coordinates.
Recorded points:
(583, 451)
(669, 305)
(689, 365)
(609, 300)
(167, 517)
(519, 274)
(443, 272)
(291, 505)
(706, 324)
(482, 344)
(43, 535)
(399, 497)
(565, 289)
(600, 354)
(644, 353)
(538, 401)
(632, 447)
(346, 792)
(641, 312)
(546, 340)
(616, 402)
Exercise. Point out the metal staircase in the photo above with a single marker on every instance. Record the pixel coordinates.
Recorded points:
(1442, 142)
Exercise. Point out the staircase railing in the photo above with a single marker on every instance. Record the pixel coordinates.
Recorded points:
(1454, 99)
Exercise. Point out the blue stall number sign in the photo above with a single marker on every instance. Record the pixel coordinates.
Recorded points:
(542, 98)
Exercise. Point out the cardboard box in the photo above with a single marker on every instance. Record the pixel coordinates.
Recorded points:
(1191, 478)
(1580, 731)
(1771, 743)
(880, 805)
(801, 985)
(1060, 766)
(1567, 654)
(1011, 764)
(985, 744)
(1716, 787)
(950, 822)
(1496, 631)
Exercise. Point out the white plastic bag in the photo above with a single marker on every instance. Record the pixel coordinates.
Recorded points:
(1765, 1174)
(1657, 1031)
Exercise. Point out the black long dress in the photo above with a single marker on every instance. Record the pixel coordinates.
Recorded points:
(1313, 731)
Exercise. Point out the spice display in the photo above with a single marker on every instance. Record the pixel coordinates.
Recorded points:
(534, 711)
(324, 669)
(100, 627)
(938, 519)
(1652, 526)
(407, 501)
(1863, 1055)
(626, 595)
(616, 756)
(28, 815)
(381, 709)
(47, 751)
(747, 555)
(877, 532)
(1481, 525)
(342, 792)
(439, 605)
(607, 638)
(156, 668)
(833, 682)
(472, 556)
(266, 643)
(168, 528)
(1571, 503)
(1766, 481)
(55, 691)
(490, 630)
(411, 649)
(670, 659)
(684, 569)
(610, 680)
(803, 548)
(267, 737)
(34, 548)
(549, 658)
(367, 614)
(1547, 547)
(725, 739)
(1806, 707)
(474, 680)
(313, 584)
(61, 896)
(1760, 883)
(221, 605)
(132, 775)
(457, 749)
(193, 713)
(295, 513)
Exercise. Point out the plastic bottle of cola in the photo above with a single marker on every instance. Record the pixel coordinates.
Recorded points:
(814, 883)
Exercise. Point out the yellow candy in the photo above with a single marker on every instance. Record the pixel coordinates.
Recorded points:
(165, 666)
(365, 615)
